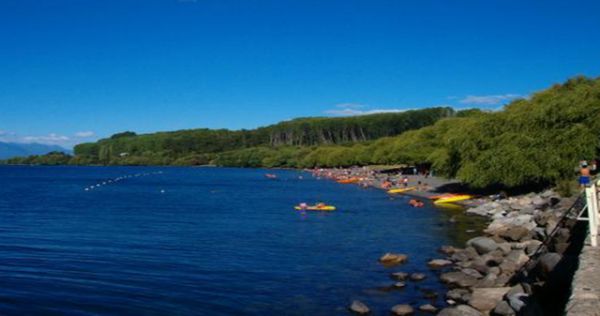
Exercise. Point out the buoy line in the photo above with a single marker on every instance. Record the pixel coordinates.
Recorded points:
(121, 178)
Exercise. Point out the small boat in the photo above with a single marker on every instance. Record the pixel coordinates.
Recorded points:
(348, 181)
(456, 198)
(396, 191)
(318, 207)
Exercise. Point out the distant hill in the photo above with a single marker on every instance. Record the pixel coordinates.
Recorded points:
(9, 150)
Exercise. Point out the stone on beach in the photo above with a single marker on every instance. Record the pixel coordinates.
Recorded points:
(460, 310)
(459, 279)
(359, 307)
(486, 299)
(393, 258)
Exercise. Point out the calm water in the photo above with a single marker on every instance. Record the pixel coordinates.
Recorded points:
(204, 241)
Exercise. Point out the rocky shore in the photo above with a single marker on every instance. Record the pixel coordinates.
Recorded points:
(502, 272)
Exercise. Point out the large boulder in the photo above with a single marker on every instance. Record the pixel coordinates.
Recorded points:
(460, 310)
(548, 262)
(393, 258)
(359, 307)
(485, 299)
(459, 279)
(516, 233)
(483, 245)
(504, 309)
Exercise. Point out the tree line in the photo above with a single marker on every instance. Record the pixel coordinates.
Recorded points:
(539, 139)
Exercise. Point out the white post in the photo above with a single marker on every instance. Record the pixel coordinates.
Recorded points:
(592, 206)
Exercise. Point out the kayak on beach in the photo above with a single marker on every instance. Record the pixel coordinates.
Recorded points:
(455, 198)
(348, 181)
(443, 196)
(396, 191)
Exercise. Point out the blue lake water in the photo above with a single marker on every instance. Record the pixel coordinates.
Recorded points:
(205, 241)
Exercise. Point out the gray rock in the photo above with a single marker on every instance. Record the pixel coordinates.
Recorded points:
(439, 263)
(417, 277)
(517, 289)
(359, 307)
(517, 301)
(448, 250)
(483, 245)
(460, 310)
(400, 276)
(428, 308)
(485, 299)
(516, 233)
(532, 246)
(504, 309)
(459, 295)
(505, 247)
(472, 272)
(459, 279)
(548, 262)
(488, 281)
(539, 202)
(518, 257)
(402, 309)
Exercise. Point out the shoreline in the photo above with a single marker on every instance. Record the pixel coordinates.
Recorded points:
(514, 266)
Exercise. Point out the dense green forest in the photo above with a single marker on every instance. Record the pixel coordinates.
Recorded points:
(534, 140)
(198, 146)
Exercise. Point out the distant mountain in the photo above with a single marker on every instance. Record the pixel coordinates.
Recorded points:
(9, 150)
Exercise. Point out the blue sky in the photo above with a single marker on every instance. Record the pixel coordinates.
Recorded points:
(78, 70)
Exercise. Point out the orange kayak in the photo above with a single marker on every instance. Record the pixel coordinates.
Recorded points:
(348, 181)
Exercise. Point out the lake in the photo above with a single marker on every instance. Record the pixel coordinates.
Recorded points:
(206, 241)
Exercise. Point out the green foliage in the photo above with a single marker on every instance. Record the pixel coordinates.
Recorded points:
(531, 141)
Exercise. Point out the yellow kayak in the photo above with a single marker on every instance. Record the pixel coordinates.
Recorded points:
(396, 191)
(455, 198)
(325, 208)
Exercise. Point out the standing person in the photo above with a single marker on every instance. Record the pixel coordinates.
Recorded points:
(405, 181)
(584, 177)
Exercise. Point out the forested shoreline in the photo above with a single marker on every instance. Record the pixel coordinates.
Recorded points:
(534, 140)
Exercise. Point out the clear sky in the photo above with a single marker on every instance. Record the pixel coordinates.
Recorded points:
(78, 70)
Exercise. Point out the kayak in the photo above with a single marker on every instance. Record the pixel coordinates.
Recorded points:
(443, 196)
(348, 181)
(395, 191)
(325, 208)
(455, 198)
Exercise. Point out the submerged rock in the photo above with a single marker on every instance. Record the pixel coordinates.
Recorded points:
(402, 309)
(400, 276)
(428, 308)
(393, 258)
(359, 307)
(417, 276)
(439, 263)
